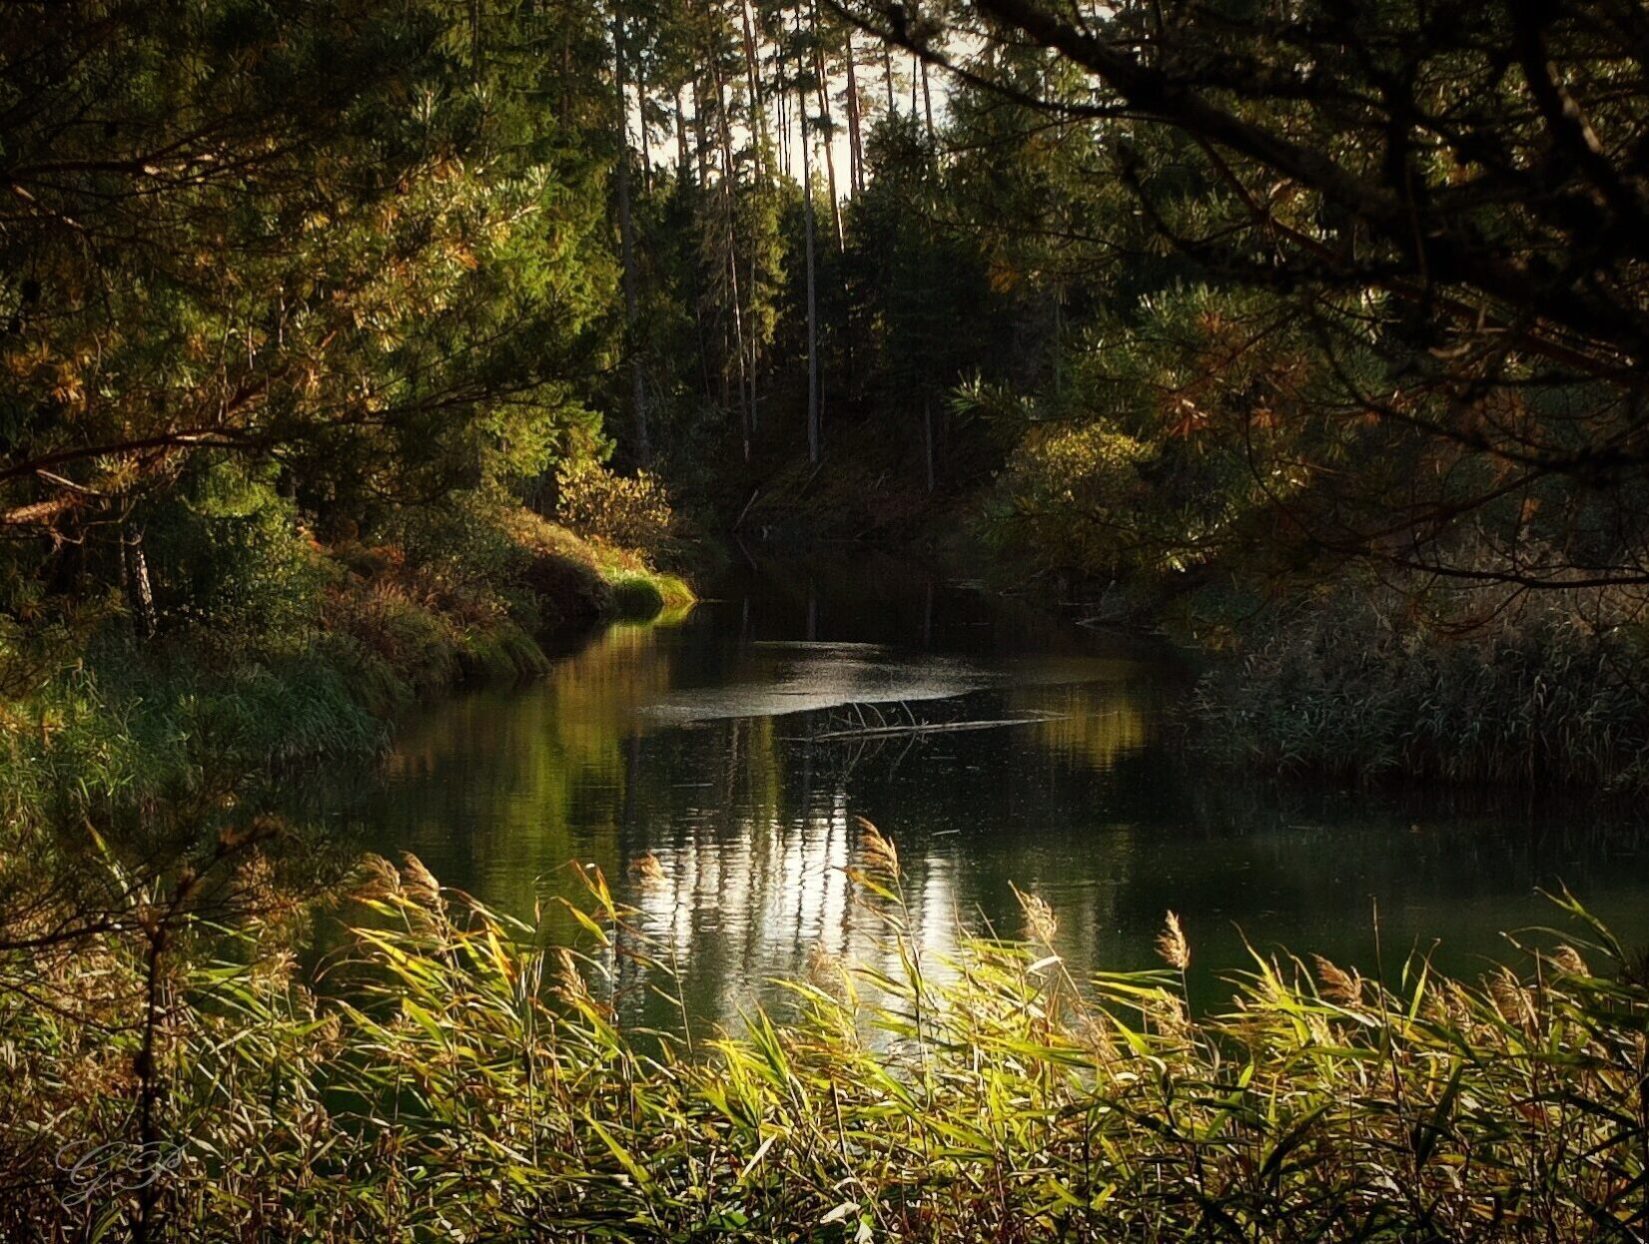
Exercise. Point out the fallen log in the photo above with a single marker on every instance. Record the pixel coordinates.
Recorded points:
(936, 727)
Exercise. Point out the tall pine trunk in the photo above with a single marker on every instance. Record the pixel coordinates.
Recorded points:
(627, 247)
(758, 105)
(927, 102)
(823, 85)
(684, 162)
(830, 155)
(855, 136)
(700, 143)
(730, 209)
(813, 434)
(756, 108)
(646, 143)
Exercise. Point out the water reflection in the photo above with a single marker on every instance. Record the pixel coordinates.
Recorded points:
(701, 745)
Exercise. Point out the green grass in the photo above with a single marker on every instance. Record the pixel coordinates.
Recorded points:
(636, 597)
(639, 590)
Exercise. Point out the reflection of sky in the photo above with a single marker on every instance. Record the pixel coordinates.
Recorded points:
(803, 677)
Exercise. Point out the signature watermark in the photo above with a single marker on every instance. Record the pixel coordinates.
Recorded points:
(117, 1166)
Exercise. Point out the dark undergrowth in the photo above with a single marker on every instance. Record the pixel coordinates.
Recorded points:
(1547, 692)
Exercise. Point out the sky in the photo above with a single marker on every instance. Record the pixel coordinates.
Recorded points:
(872, 81)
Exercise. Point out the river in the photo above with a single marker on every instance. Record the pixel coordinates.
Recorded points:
(738, 746)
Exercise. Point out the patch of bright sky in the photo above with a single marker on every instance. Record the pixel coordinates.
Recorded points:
(871, 70)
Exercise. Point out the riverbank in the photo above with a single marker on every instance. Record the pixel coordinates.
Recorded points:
(140, 724)
(1315, 666)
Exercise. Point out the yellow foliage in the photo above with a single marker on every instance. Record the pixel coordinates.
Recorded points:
(628, 511)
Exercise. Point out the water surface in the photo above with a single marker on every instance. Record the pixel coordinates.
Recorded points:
(738, 747)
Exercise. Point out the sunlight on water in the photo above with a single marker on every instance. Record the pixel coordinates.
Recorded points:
(738, 748)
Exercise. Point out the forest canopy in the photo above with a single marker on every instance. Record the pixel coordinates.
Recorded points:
(1224, 306)
(1430, 217)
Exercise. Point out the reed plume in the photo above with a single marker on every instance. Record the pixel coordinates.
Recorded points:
(1171, 944)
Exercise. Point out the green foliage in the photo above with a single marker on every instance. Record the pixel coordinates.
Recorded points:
(278, 652)
(231, 560)
(124, 736)
(309, 268)
(637, 597)
(473, 1081)
(1072, 497)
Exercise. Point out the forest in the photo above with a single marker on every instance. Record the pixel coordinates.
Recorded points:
(358, 357)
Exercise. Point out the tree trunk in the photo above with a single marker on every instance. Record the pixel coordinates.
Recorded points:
(627, 246)
(823, 85)
(855, 137)
(757, 109)
(927, 437)
(1059, 339)
(830, 152)
(813, 437)
(730, 207)
(646, 143)
(927, 102)
(700, 143)
(475, 39)
(758, 105)
(684, 162)
(781, 106)
(142, 591)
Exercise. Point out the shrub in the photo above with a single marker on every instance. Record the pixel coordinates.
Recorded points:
(637, 597)
(1070, 498)
(631, 512)
(231, 565)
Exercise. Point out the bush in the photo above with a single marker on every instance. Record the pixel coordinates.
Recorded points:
(230, 564)
(631, 512)
(637, 597)
(272, 648)
(1070, 500)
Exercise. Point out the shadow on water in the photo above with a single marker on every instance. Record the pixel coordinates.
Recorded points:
(738, 747)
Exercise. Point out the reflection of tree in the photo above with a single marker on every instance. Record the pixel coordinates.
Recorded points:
(499, 790)
(752, 819)
(1087, 723)
(751, 824)
(749, 887)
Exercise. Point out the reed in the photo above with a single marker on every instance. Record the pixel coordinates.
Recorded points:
(472, 1082)
(1371, 684)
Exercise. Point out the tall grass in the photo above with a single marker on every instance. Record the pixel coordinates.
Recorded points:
(463, 1080)
(138, 735)
(1376, 682)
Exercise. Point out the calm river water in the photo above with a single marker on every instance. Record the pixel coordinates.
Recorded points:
(700, 744)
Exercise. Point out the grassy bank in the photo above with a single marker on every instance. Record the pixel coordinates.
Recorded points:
(479, 1086)
(313, 663)
(1375, 683)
